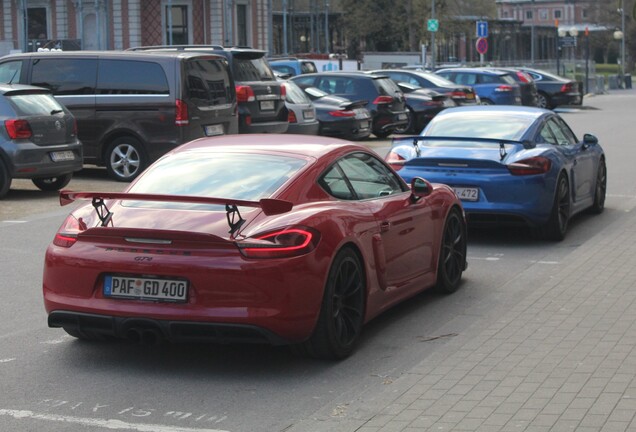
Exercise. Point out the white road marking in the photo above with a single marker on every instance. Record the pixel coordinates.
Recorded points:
(546, 262)
(14, 221)
(7, 360)
(57, 341)
(112, 424)
(484, 259)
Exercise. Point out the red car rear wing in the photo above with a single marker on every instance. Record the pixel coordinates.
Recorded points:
(269, 206)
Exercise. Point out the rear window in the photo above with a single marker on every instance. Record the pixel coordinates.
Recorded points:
(131, 77)
(386, 86)
(295, 94)
(218, 175)
(308, 67)
(255, 69)
(33, 104)
(208, 82)
(479, 125)
(65, 76)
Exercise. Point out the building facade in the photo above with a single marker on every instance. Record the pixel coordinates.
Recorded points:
(26, 25)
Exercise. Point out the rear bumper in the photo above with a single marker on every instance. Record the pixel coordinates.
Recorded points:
(138, 329)
(28, 161)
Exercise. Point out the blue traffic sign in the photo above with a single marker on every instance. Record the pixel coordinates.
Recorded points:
(482, 29)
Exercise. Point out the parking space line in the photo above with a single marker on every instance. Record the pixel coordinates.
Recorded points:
(111, 424)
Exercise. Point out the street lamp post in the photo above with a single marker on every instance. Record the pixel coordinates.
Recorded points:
(620, 36)
(433, 53)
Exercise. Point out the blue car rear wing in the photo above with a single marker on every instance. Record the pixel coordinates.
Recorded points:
(417, 139)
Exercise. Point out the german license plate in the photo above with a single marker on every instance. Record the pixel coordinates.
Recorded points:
(61, 156)
(267, 105)
(212, 130)
(308, 114)
(467, 194)
(145, 288)
(361, 113)
(364, 125)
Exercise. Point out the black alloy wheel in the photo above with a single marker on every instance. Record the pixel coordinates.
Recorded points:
(408, 127)
(52, 183)
(342, 310)
(452, 256)
(601, 188)
(558, 223)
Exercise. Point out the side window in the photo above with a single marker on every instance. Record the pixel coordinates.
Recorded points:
(335, 184)
(566, 130)
(488, 79)
(304, 81)
(140, 77)
(466, 78)
(10, 71)
(369, 177)
(561, 137)
(65, 76)
(545, 136)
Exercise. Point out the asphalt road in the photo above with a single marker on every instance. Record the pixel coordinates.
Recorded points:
(51, 382)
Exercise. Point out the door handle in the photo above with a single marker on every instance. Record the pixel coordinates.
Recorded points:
(384, 226)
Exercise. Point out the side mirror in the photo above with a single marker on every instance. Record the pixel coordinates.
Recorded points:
(590, 139)
(420, 188)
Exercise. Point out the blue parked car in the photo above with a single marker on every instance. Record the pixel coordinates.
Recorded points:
(292, 66)
(494, 87)
(514, 165)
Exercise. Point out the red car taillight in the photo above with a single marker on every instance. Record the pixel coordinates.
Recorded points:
(395, 160)
(530, 166)
(181, 118)
(283, 92)
(74, 126)
(245, 94)
(504, 88)
(284, 243)
(566, 88)
(291, 117)
(345, 113)
(383, 100)
(67, 234)
(18, 129)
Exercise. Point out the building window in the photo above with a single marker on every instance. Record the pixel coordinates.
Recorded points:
(38, 28)
(557, 14)
(177, 31)
(242, 24)
(543, 14)
(584, 13)
(529, 15)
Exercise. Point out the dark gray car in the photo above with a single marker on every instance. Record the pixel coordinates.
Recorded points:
(131, 108)
(38, 139)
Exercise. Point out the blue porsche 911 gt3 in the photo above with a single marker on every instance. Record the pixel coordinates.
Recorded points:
(508, 164)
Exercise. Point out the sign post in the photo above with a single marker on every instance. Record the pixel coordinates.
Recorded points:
(482, 48)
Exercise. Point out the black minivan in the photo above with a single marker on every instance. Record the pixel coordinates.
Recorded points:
(131, 108)
(261, 98)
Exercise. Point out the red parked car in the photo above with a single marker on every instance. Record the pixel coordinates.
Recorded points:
(303, 250)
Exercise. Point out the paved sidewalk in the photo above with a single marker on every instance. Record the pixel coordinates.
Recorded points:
(562, 359)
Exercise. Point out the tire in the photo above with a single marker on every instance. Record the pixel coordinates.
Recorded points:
(408, 128)
(383, 134)
(486, 102)
(560, 215)
(125, 159)
(342, 310)
(52, 183)
(543, 101)
(452, 255)
(601, 189)
(5, 180)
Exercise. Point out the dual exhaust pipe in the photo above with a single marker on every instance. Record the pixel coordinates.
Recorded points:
(144, 336)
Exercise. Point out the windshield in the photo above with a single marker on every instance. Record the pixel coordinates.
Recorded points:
(230, 175)
(315, 92)
(437, 80)
(479, 125)
(295, 94)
